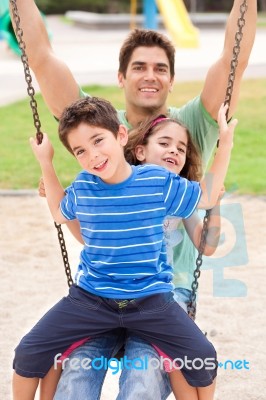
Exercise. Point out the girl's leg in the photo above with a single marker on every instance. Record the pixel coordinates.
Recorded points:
(24, 388)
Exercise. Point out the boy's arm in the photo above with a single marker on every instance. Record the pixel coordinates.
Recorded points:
(216, 82)
(56, 81)
(213, 180)
(194, 227)
(54, 191)
(72, 225)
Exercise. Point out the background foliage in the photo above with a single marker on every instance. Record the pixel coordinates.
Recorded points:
(123, 6)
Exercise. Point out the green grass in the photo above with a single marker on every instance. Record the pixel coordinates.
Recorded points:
(19, 170)
(261, 20)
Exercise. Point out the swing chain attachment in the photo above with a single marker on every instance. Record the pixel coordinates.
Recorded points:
(37, 123)
(229, 91)
(195, 284)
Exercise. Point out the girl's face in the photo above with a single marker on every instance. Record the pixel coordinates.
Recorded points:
(166, 147)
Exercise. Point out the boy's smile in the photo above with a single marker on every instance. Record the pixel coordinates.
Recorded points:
(100, 152)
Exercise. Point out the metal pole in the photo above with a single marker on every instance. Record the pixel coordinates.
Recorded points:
(150, 14)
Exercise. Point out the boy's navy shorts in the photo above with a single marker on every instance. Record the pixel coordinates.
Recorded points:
(158, 319)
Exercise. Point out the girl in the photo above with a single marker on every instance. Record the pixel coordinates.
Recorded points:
(167, 142)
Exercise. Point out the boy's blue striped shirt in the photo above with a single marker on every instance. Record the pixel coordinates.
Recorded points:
(122, 226)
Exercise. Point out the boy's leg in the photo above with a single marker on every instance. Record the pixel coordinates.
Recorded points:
(24, 388)
(70, 320)
(49, 383)
(164, 324)
(148, 383)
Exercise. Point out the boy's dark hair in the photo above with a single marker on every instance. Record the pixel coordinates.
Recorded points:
(93, 111)
(146, 38)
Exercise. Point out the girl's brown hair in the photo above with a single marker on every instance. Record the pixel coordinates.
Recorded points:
(192, 169)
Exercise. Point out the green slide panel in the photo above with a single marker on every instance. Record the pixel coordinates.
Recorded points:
(6, 28)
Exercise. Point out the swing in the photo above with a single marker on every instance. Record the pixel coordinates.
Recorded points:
(39, 136)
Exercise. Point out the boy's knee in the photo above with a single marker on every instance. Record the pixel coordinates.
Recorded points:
(26, 362)
(207, 351)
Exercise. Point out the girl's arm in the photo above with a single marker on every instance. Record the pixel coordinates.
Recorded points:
(44, 153)
(73, 225)
(213, 180)
(194, 227)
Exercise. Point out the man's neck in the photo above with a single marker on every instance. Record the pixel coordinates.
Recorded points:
(137, 115)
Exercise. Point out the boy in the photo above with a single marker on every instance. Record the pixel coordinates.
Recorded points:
(123, 278)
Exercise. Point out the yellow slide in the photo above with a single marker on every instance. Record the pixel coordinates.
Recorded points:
(178, 23)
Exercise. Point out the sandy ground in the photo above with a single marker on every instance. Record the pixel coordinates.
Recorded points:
(33, 279)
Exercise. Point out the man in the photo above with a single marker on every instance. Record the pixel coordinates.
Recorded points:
(146, 74)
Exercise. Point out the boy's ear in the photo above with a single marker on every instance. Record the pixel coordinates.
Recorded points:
(122, 135)
(140, 152)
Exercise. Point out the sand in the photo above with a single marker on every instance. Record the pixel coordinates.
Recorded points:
(33, 279)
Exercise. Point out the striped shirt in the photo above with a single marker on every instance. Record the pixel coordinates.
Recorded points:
(124, 255)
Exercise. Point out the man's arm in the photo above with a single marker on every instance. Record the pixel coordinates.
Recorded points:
(56, 81)
(214, 90)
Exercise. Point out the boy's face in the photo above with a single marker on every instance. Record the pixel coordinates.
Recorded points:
(167, 147)
(99, 152)
(147, 82)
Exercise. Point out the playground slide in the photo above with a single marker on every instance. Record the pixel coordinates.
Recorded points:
(178, 23)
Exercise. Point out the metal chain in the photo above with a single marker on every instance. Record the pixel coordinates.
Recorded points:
(236, 50)
(195, 284)
(37, 123)
(64, 253)
(229, 91)
(28, 78)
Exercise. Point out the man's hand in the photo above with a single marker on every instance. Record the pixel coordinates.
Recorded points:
(226, 131)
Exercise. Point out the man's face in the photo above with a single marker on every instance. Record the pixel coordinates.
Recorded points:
(147, 81)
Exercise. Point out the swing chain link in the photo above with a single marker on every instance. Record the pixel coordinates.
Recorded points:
(229, 91)
(37, 123)
(28, 78)
(236, 50)
(194, 286)
(64, 253)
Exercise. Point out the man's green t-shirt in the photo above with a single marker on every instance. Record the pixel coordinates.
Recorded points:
(204, 132)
